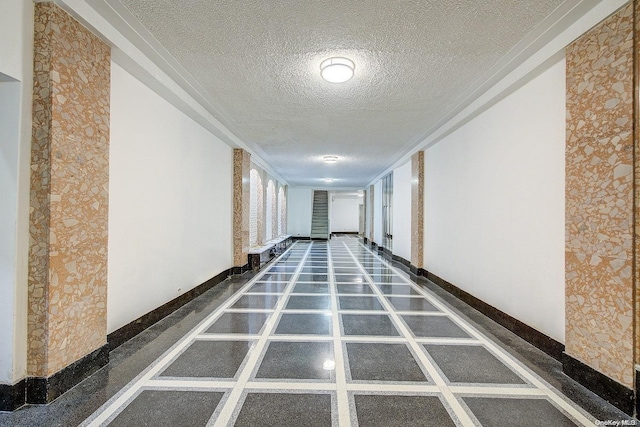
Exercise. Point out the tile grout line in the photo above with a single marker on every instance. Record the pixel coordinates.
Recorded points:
(344, 412)
(451, 400)
(358, 387)
(117, 403)
(227, 411)
(539, 383)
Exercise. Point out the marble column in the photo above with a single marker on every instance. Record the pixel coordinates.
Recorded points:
(241, 201)
(600, 217)
(67, 310)
(417, 209)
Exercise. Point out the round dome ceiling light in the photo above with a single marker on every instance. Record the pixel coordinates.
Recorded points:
(330, 159)
(337, 70)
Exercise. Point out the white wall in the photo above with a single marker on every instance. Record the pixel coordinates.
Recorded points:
(402, 211)
(170, 202)
(299, 210)
(345, 213)
(16, 77)
(494, 204)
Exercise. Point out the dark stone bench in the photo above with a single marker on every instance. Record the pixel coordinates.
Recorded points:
(260, 255)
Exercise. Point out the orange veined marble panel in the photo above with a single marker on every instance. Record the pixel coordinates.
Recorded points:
(241, 186)
(636, 117)
(417, 208)
(69, 192)
(599, 198)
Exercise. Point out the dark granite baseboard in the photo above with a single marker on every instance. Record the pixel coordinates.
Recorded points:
(401, 260)
(301, 238)
(236, 271)
(637, 388)
(45, 390)
(612, 391)
(13, 396)
(130, 330)
(545, 343)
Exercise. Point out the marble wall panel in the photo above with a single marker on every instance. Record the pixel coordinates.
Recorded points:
(241, 188)
(417, 208)
(636, 117)
(69, 192)
(599, 198)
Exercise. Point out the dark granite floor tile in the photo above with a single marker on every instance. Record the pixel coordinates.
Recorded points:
(314, 270)
(270, 287)
(238, 323)
(401, 411)
(350, 278)
(278, 277)
(315, 264)
(282, 269)
(370, 362)
(297, 302)
(411, 304)
(359, 303)
(311, 288)
(471, 364)
(209, 359)
(256, 301)
(379, 270)
(368, 324)
(320, 277)
(296, 360)
(169, 408)
(386, 279)
(500, 412)
(434, 326)
(307, 324)
(398, 290)
(285, 410)
(346, 270)
(354, 288)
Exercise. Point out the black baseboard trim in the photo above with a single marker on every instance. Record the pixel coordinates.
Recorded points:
(301, 238)
(45, 390)
(130, 330)
(236, 271)
(545, 343)
(340, 233)
(637, 388)
(13, 396)
(401, 260)
(610, 390)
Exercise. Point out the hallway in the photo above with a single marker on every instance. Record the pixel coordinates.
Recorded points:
(328, 334)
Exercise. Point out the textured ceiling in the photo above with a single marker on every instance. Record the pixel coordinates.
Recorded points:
(258, 61)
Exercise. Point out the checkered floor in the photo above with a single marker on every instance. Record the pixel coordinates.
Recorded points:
(331, 334)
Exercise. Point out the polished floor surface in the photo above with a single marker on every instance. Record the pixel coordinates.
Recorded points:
(332, 334)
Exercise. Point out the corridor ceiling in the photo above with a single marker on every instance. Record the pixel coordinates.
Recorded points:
(257, 64)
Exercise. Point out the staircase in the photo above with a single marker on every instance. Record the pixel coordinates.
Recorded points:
(320, 217)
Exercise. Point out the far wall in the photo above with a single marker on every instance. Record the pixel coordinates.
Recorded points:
(345, 213)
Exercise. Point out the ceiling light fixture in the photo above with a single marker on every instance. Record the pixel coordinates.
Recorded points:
(330, 159)
(328, 180)
(337, 70)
